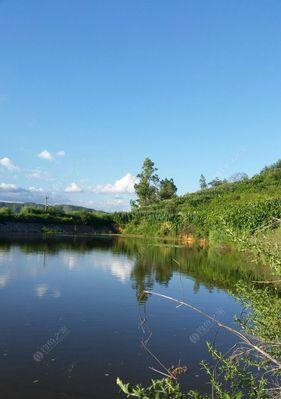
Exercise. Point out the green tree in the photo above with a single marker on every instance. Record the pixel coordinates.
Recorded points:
(203, 182)
(147, 187)
(167, 189)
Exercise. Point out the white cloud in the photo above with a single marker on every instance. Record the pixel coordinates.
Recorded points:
(46, 155)
(39, 174)
(105, 204)
(125, 185)
(35, 189)
(49, 157)
(7, 187)
(73, 188)
(8, 164)
(12, 188)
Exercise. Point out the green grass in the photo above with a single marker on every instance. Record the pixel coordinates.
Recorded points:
(246, 205)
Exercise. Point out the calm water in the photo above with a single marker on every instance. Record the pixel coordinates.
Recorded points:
(73, 315)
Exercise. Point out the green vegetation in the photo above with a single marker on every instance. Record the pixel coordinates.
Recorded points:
(251, 368)
(167, 189)
(150, 189)
(55, 215)
(245, 213)
(246, 204)
(203, 182)
(211, 267)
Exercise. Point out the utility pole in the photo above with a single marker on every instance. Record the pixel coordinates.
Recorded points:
(46, 203)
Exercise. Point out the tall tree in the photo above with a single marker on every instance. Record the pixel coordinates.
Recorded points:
(203, 182)
(167, 189)
(147, 187)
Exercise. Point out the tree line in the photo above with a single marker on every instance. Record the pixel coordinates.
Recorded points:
(150, 189)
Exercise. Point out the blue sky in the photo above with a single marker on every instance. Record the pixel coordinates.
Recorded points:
(99, 85)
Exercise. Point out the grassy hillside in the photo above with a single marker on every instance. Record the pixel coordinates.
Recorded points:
(244, 205)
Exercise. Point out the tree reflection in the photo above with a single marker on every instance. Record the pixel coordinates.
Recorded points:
(152, 260)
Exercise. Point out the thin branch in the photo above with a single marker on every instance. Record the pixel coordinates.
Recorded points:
(147, 333)
(157, 360)
(218, 323)
(160, 372)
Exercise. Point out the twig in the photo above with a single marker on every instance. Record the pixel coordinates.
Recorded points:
(160, 372)
(218, 323)
(157, 360)
(147, 334)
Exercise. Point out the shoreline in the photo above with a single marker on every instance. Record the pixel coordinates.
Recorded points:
(31, 229)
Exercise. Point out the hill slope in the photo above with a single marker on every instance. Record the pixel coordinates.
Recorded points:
(247, 205)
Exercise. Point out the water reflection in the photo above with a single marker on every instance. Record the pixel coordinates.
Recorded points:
(69, 260)
(141, 261)
(4, 278)
(41, 290)
(93, 288)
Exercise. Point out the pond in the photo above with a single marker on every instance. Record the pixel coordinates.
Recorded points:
(74, 317)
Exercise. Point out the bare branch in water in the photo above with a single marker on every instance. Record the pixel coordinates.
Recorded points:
(147, 334)
(221, 325)
(157, 360)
